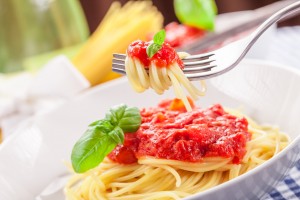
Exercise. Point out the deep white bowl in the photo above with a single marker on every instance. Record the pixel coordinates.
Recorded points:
(33, 156)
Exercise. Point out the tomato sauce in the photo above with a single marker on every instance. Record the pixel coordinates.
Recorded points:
(178, 35)
(165, 57)
(169, 132)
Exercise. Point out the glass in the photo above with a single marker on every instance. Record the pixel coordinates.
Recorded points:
(31, 27)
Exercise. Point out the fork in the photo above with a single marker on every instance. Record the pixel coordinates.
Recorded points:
(214, 63)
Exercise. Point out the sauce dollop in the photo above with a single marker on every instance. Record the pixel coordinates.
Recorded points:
(165, 57)
(169, 132)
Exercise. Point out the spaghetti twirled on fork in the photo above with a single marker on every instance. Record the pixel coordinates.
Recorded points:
(144, 73)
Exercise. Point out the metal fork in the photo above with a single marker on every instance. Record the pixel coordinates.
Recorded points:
(214, 63)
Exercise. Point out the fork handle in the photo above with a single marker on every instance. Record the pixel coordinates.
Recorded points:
(291, 9)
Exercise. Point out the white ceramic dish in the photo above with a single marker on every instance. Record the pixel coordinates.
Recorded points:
(33, 156)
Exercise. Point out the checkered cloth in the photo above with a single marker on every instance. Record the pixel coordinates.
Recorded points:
(289, 188)
(286, 50)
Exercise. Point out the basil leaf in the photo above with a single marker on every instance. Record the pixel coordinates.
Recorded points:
(102, 137)
(93, 146)
(127, 118)
(197, 13)
(117, 135)
(131, 120)
(115, 114)
(153, 49)
(158, 41)
(159, 37)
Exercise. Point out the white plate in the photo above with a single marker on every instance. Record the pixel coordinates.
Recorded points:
(34, 155)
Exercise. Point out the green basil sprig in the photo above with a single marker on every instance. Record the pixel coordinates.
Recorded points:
(197, 13)
(102, 136)
(158, 41)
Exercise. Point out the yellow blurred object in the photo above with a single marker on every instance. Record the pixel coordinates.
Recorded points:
(110, 76)
(120, 26)
(1, 135)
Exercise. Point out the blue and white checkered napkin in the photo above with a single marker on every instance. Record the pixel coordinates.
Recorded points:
(289, 188)
(285, 50)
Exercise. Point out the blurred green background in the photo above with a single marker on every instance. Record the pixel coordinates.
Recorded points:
(32, 27)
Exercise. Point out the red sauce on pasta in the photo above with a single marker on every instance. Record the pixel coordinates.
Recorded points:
(165, 57)
(169, 132)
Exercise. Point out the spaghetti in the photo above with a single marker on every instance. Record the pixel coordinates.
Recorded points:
(120, 25)
(144, 73)
(156, 177)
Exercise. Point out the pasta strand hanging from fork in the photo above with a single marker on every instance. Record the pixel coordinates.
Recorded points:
(160, 72)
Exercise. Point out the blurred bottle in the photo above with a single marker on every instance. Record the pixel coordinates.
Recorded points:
(31, 27)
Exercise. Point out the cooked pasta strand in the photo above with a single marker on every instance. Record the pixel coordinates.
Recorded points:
(153, 178)
(161, 78)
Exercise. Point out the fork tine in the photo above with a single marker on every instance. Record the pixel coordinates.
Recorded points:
(199, 56)
(119, 71)
(119, 68)
(198, 63)
(118, 61)
(202, 56)
(119, 56)
(202, 75)
(197, 69)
